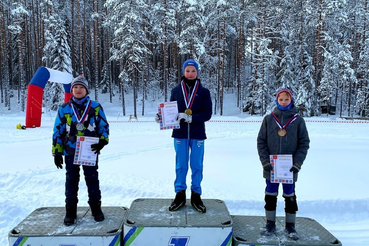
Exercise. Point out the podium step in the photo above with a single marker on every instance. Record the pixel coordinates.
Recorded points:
(44, 227)
(149, 222)
(246, 231)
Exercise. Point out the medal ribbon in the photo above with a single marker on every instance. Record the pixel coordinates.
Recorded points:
(293, 118)
(189, 102)
(87, 108)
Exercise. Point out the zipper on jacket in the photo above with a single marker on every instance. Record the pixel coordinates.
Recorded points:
(188, 124)
(280, 139)
(188, 130)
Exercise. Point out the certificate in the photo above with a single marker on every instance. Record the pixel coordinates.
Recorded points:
(84, 155)
(281, 169)
(168, 112)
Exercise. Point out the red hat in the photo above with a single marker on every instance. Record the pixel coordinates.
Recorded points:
(284, 90)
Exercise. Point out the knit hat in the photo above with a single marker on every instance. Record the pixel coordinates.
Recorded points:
(284, 90)
(190, 62)
(80, 80)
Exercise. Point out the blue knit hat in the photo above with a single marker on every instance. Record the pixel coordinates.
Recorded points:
(190, 62)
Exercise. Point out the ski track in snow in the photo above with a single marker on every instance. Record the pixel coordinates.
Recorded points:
(119, 155)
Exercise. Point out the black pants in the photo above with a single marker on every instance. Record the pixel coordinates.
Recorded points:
(72, 181)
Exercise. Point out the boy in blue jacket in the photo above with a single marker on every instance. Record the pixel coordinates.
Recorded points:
(79, 117)
(195, 107)
(282, 132)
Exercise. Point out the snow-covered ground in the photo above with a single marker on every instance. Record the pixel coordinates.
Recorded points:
(139, 162)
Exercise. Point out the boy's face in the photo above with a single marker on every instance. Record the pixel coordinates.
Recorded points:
(284, 99)
(190, 72)
(79, 91)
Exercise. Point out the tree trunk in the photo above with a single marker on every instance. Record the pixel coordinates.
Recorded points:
(21, 71)
(144, 92)
(80, 40)
(73, 39)
(318, 57)
(3, 69)
(134, 82)
(223, 37)
(122, 92)
(96, 49)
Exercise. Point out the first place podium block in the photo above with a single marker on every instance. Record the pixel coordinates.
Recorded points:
(149, 222)
(44, 227)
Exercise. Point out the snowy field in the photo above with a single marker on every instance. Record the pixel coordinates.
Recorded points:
(139, 162)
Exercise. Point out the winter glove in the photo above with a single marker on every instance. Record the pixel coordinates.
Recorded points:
(98, 146)
(182, 116)
(295, 168)
(58, 160)
(267, 166)
(157, 118)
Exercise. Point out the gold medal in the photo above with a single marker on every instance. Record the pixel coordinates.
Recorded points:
(188, 111)
(282, 132)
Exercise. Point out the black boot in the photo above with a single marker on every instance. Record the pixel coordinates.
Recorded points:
(197, 203)
(178, 201)
(71, 214)
(96, 210)
(268, 229)
(291, 231)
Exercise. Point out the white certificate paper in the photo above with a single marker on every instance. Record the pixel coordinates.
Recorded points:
(168, 112)
(84, 155)
(281, 169)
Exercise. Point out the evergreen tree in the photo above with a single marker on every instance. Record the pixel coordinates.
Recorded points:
(338, 76)
(191, 24)
(244, 46)
(61, 61)
(130, 41)
(19, 15)
(305, 89)
(57, 53)
(162, 20)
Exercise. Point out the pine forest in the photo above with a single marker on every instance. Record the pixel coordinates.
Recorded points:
(134, 49)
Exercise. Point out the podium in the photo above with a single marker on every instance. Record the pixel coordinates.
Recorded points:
(149, 222)
(247, 232)
(45, 227)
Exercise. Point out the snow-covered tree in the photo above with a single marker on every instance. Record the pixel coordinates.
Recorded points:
(162, 20)
(191, 24)
(4, 66)
(57, 52)
(244, 46)
(130, 40)
(338, 77)
(19, 16)
(306, 87)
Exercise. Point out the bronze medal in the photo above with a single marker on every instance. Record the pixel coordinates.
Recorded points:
(188, 111)
(282, 132)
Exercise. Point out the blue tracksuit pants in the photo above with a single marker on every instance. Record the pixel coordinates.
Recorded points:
(189, 151)
(272, 189)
